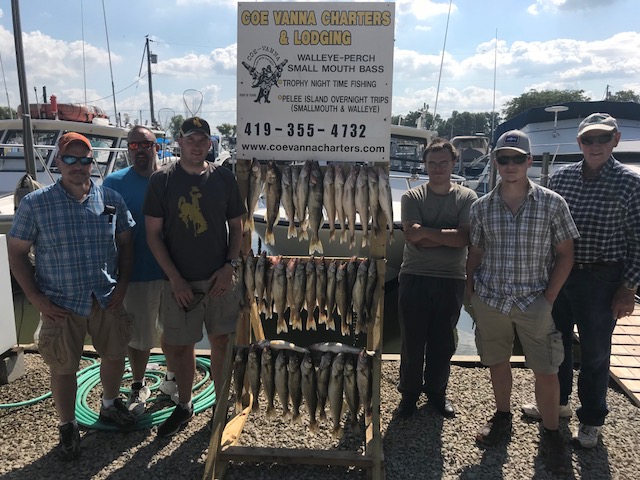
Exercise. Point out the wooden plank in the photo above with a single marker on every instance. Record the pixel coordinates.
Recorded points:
(299, 456)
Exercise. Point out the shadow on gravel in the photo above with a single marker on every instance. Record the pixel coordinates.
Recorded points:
(491, 464)
(593, 463)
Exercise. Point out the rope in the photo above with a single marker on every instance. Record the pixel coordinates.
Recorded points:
(89, 377)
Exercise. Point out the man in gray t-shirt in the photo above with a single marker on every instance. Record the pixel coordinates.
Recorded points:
(435, 219)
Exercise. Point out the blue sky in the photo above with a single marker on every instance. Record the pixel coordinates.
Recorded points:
(572, 44)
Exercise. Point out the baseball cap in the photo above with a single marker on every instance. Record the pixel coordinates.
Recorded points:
(598, 121)
(194, 125)
(72, 137)
(514, 140)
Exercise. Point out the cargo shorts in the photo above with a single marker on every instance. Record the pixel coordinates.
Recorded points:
(61, 343)
(218, 314)
(143, 304)
(541, 342)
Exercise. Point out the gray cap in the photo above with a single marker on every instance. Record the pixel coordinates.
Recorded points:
(513, 140)
(598, 121)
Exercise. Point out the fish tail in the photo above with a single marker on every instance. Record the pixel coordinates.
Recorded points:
(311, 323)
(313, 426)
(292, 231)
(315, 245)
(337, 431)
(269, 238)
(249, 225)
(322, 317)
(323, 414)
(271, 411)
(331, 324)
(364, 239)
(332, 233)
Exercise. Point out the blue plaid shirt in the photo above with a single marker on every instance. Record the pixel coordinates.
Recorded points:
(606, 209)
(75, 245)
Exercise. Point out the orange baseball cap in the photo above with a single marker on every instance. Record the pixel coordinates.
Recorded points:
(68, 138)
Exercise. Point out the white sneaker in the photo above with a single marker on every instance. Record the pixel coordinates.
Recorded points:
(531, 410)
(137, 400)
(169, 387)
(587, 435)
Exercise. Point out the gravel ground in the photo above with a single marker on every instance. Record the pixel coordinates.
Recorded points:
(423, 447)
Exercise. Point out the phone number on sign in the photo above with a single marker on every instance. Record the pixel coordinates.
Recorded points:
(343, 130)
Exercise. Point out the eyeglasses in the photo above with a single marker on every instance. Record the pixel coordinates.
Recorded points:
(137, 145)
(516, 159)
(198, 295)
(599, 139)
(71, 160)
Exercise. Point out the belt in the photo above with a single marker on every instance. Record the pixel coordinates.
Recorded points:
(596, 266)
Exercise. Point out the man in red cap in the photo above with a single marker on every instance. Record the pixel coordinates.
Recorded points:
(81, 233)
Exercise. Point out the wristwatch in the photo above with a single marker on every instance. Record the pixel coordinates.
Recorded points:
(629, 286)
(232, 261)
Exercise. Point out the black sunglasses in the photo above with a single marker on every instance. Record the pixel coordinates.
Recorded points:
(137, 145)
(516, 159)
(71, 160)
(198, 295)
(599, 139)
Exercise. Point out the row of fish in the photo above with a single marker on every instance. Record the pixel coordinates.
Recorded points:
(337, 289)
(320, 374)
(303, 191)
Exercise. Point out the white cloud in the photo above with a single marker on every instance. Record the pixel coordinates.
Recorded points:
(552, 6)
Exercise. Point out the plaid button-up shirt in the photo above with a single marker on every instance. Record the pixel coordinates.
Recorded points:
(606, 209)
(518, 249)
(75, 244)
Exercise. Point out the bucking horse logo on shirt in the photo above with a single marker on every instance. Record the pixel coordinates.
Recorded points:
(190, 212)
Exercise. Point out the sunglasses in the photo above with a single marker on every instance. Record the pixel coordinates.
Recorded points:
(516, 159)
(137, 145)
(599, 139)
(71, 160)
(198, 295)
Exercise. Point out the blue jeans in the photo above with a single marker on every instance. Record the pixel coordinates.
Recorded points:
(429, 309)
(585, 300)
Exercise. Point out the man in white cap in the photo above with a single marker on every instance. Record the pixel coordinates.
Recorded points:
(604, 198)
(520, 255)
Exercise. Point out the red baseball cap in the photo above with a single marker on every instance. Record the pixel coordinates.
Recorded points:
(72, 137)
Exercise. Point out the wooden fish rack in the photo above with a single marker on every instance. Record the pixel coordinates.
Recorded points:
(223, 446)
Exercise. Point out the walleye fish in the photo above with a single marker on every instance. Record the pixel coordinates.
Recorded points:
(331, 294)
(284, 345)
(280, 295)
(334, 347)
(384, 198)
(239, 273)
(239, 368)
(310, 389)
(349, 204)
(351, 389)
(273, 194)
(329, 199)
(299, 289)
(335, 393)
(302, 196)
(287, 201)
(261, 280)
(342, 299)
(321, 291)
(324, 374)
(282, 382)
(267, 375)
(290, 273)
(253, 370)
(363, 378)
(295, 174)
(310, 294)
(294, 381)
(374, 202)
(352, 272)
(268, 290)
(253, 194)
(359, 292)
(372, 281)
(339, 198)
(314, 205)
(362, 202)
(250, 277)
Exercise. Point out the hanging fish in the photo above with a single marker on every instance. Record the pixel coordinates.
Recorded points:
(362, 202)
(310, 389)
(339, 199)
(349, 204)
(253, 194)
(385, 199)
(273, 195)
(267, 376)
(314, 206)
(287, 201)
(310, 294)
(331, 293)
(329, 199)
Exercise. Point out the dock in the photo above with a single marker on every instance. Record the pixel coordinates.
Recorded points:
(625, 355)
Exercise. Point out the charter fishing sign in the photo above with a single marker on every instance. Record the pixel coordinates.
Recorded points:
(315, 81)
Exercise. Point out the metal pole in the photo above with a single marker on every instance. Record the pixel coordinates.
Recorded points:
(113, 87)
(29, 153)
(5, 88)
(153, 119)
(544, 176)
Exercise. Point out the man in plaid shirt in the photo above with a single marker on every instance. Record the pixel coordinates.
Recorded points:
(520, 255)
(604, 199)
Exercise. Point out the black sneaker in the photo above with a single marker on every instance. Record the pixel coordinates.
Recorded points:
(178, 418)
(118, 415)
(406, 408)
(495, 430)
(69, 448)
(556, 458)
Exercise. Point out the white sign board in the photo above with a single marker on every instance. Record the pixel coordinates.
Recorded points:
(315, 81)
(8, 337)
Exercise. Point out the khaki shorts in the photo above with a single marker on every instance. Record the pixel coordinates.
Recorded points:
(61, 343)
(143, 304)
(219, 314)
(541, 342)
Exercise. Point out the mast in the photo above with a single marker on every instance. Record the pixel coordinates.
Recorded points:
(444, 46)
(29, 154)
(113, 87)
(150, 59)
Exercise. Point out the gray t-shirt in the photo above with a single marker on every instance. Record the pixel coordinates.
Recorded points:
(423, 206)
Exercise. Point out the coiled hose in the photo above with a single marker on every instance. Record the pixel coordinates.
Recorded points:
(89, 377)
